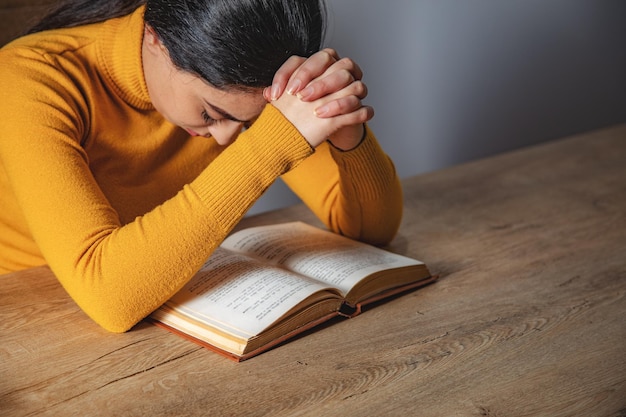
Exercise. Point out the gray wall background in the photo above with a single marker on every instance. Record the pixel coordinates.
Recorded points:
(456, 80)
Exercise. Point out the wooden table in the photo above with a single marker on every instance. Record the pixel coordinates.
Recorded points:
(528, 318)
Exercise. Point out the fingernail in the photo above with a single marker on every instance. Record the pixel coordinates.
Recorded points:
(275, 92)
(305, 93)
(321, 111)
(293, 86)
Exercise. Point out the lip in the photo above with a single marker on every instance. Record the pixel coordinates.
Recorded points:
(193, 133)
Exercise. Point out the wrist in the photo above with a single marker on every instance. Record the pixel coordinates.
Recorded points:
(348, 138)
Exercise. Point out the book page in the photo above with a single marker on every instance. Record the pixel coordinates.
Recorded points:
(320, 254)
(241, 295)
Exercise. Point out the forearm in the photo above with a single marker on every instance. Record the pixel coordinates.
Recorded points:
(355, 193)
(176, 238)
(118, 273)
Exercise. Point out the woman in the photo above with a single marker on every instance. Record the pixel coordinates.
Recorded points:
(135, 136)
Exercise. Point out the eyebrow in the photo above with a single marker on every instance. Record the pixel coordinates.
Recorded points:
(224, 113)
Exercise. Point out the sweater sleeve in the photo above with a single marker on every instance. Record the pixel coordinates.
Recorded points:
(117, 273)
(355, 193)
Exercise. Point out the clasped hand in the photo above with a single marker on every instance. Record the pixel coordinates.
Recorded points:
(324, 98)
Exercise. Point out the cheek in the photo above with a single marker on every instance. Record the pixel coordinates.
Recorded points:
(179, 110)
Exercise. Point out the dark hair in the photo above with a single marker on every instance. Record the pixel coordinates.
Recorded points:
(229, 43)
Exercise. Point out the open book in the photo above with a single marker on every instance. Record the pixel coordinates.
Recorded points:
(266, 284)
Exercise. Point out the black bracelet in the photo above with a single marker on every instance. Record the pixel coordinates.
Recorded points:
(356, 146)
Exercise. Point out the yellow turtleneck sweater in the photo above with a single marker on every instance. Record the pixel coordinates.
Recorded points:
(125, 207)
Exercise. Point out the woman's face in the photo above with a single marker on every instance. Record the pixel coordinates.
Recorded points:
(187, 101)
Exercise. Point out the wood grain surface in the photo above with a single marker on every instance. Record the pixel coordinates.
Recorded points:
(528, 318)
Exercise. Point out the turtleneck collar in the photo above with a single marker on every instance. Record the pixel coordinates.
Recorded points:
(120, 46)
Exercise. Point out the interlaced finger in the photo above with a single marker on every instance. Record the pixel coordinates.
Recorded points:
(281, 78)
(336, 77)
(313, 67)
(344, 101)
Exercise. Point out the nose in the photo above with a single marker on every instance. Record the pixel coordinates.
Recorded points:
(226, 131)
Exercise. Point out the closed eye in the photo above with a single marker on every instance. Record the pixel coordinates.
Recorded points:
(208, 119)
